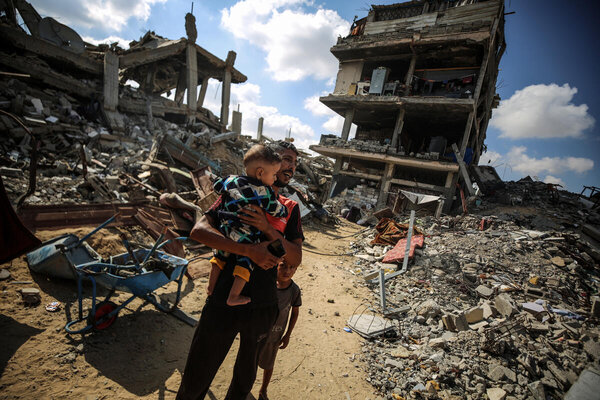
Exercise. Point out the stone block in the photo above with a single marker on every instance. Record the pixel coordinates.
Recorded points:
(460, 321)
(448, 321)
(496, 372)
(437, 343)
(487, 310)
(537, 390)
(496, 394)
(505, 305)
(484, 291)
(474, 315)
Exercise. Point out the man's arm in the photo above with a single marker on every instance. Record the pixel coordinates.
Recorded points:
(205, 233)
(255, 216)
(293, 318)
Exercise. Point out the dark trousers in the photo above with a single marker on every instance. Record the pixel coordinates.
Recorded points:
(216, 331)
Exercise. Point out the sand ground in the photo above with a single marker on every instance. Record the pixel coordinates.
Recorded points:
(143, 353)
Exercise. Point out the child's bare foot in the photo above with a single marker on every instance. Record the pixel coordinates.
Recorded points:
(237, 300)
(262, 395)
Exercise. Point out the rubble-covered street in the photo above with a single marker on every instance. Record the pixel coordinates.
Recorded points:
(491, 289)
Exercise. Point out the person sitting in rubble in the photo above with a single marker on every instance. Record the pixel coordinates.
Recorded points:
(237, 192)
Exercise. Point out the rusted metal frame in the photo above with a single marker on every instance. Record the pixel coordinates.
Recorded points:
(57, 216)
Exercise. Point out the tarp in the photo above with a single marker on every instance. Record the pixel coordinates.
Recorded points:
(15, 238)
(418, 198)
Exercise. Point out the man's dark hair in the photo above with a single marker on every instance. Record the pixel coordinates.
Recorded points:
(259, 152)
(282, 144)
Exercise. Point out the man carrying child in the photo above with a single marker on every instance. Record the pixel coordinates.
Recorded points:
(237, 192)
(219, 323)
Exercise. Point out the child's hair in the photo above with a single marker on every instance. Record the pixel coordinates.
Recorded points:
(259, 152)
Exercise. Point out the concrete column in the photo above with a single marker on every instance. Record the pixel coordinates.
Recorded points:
(111, 81)
(181, 86)
(467, 133)
(192, 81)
(259, 131)
(347, 123)
(409, 74)
(386, 182)
(226, 92)
(236, 122)
(398, 128)
(202, 93)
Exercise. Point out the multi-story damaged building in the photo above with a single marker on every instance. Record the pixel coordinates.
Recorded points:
(415, 78)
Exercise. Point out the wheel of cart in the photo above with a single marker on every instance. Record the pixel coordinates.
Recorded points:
(139, 272)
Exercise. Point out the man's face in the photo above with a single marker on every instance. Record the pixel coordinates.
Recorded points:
(288, 167)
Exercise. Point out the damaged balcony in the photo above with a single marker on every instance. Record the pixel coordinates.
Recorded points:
(415, 78)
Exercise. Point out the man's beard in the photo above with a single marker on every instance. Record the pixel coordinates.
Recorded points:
(279, 183)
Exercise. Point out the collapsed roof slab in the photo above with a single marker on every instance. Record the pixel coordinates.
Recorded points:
(43, 48)
(170, 55)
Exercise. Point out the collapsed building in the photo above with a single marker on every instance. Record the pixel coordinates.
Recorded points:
(416, 78)
(98, 74)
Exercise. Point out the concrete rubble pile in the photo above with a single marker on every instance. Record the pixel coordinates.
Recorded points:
(82, 160)
(501, 304)
(80, 141)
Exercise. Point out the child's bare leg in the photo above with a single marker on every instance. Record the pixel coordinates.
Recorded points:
(235, 298)
(267, 373)
(212, 278)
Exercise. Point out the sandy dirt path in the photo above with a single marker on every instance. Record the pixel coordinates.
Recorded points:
(143, 353)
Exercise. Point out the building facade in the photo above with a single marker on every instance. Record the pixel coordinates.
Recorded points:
(415, 78)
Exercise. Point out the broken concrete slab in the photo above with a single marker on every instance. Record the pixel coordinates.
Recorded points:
(505, 305)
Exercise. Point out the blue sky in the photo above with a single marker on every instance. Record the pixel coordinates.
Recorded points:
(546, 125)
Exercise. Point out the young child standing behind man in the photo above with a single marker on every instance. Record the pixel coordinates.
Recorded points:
(289, 297)
(262, 164)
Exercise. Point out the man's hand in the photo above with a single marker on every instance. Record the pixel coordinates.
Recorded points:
(255, 216)
(262, 256)
(285, 340)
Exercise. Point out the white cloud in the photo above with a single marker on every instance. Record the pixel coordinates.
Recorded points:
(296, 41)
(525, 164)
(334, 121)
(124, 43)
(490, 157)
(554, 179)
(555, 169)
(276, 125)
(317, 108)
(110, 14)
(542, 111)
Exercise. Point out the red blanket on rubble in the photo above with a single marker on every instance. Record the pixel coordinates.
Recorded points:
(397, 253)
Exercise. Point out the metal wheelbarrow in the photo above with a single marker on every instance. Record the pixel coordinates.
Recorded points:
(138, 272)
